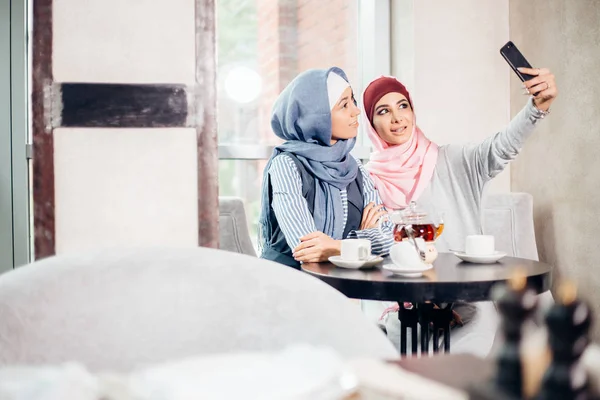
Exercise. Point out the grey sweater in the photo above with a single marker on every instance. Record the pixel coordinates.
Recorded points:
(462, 171)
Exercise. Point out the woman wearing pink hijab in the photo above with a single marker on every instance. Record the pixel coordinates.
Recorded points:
(406, 166)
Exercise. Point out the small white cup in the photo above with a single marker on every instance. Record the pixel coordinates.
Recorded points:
(356, 249)
(404, 254)
(479, 245)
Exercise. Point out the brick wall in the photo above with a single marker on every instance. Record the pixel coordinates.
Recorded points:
(295, 35)
(327, 35)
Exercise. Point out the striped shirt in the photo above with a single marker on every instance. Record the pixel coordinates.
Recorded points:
(294, 217)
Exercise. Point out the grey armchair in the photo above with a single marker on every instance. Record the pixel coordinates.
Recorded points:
(233, 229)
(122, 309)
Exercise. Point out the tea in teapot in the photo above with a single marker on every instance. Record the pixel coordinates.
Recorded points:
(412, 223)
(422, 224)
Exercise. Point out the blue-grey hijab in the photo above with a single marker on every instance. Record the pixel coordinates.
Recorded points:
(302, 117)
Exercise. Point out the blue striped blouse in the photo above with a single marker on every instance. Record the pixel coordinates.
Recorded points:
(294, 217)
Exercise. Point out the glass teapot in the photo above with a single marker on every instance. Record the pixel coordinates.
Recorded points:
(415, 222)
(411, 223)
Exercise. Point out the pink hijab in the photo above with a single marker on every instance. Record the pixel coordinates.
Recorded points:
(400, 172)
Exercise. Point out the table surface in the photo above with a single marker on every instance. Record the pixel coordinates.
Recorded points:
(450, 279)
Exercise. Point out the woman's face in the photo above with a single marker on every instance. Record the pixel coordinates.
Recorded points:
(344, 117)
(393, 118)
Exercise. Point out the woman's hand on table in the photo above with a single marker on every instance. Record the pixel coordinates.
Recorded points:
(316, 247)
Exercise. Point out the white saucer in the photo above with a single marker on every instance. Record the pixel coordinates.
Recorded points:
(340, 262)
(487, 259)
(407, 272)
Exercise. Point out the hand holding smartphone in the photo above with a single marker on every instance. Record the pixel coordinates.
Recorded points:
(541, 85)
(515, 59)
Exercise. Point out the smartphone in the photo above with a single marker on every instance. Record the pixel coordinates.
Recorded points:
(515, 59)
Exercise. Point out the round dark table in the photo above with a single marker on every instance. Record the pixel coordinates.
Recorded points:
(449, 281)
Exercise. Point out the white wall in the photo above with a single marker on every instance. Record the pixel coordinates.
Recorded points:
(124, 41)
(125, 187)
(120, 187)
(447, 53)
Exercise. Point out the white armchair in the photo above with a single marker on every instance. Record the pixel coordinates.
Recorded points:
(509, 218)
(122, 309)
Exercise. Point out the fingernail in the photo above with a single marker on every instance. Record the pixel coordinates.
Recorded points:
(526, 92)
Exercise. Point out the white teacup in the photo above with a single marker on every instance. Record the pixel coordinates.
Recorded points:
(356, 249)
(479, 245)
(404, 254)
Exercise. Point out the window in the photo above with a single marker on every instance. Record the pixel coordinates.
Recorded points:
(14, 211)
(262, 45)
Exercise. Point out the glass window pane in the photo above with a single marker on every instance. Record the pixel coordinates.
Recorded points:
(262, 45)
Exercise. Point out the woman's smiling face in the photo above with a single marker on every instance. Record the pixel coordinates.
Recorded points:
(393, 118)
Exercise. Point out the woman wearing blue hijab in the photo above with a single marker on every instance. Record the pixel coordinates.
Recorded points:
(314, 192)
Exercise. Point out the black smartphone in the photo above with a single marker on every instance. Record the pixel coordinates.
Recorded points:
(515, 59)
